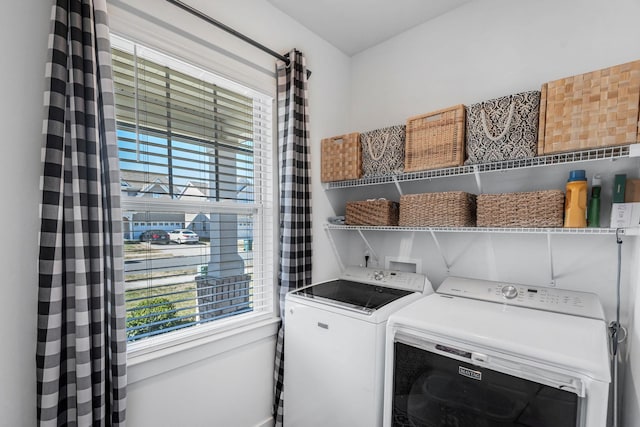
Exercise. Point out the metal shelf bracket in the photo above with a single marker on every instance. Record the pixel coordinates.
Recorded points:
(334, 248)
(552, 275)
(444, 259)
(397, 183)
(476, 174)
(369, 248)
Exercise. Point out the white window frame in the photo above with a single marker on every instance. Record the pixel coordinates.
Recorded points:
(224, 330)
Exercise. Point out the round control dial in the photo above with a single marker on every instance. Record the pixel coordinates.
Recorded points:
(509, 291)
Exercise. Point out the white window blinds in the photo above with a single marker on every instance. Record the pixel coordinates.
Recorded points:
(196, 173)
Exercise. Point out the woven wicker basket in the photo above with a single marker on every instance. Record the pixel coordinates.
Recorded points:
(435, 140)
(341, 158)
(372, 212)
(543, 209)
(448, 209)
(592, 110)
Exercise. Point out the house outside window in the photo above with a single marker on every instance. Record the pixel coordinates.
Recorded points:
(195, 157)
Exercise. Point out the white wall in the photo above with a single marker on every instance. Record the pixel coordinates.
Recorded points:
(233, 388)
(485, 49)
(24, 29)
(482, 50)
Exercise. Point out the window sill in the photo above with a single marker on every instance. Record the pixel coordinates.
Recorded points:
(146, 360)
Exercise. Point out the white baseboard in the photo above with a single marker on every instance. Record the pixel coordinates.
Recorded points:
(266, 423)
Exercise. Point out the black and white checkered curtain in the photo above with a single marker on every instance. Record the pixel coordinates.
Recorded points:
(295, 196)
(81, 348)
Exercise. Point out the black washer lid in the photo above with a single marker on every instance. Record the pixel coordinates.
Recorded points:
(356, 295)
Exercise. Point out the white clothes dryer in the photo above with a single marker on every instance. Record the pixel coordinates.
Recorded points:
(334, 346)
(485, 354)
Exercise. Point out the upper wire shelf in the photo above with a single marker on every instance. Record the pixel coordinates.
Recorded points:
(551, 159)
(510, 230)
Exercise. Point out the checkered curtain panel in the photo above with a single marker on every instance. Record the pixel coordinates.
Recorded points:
(295, 197)
(81, 346)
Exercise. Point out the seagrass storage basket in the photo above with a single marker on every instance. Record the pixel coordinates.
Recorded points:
(372, 212)
(592, 110)
(446, 209)
(341, 158)
(435, 140)
(537, 209)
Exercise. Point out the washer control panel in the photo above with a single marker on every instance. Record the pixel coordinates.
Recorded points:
(389, 278)
(509, 291)
(577, 303)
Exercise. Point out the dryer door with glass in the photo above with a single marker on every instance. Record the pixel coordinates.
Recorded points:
(434, 390)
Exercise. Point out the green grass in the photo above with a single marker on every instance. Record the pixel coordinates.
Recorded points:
(159, 274)
(138, 250)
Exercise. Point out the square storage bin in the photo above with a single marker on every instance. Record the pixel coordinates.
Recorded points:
(536, 209)
(591, 110)
(435, 140)
(341, 158)
(504, 128)
(383, 151)
(446, 209)
(372, 212)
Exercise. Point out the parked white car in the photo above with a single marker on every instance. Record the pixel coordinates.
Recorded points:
(183, 236)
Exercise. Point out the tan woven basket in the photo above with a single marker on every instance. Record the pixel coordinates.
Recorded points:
(341, 158)
(372, 212)
(544, 209)
(592, 110)
(435, 140)
(447, 209)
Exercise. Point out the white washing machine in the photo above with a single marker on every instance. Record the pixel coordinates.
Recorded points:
(485, 354)
(334, 346)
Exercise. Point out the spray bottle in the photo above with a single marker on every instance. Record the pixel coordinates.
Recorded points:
(593, 213)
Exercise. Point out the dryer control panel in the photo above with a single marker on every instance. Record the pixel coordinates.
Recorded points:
(577, 303)
(393, 279)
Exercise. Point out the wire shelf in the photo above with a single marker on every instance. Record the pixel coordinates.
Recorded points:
(478, 229)
(553, 159)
